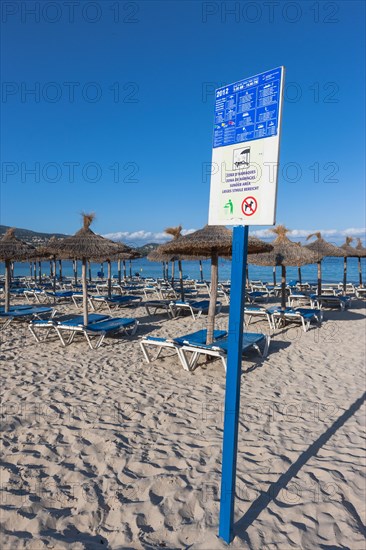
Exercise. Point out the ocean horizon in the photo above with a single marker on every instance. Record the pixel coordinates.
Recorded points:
(332, 270)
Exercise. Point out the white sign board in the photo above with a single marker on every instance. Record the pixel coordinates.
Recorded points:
(246, 150)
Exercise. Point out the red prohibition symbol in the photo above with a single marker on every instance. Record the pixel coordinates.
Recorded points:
(249, 206)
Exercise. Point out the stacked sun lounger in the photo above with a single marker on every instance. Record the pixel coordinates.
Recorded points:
(98, 327)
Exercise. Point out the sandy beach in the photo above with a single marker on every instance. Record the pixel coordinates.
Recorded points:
(101, 450)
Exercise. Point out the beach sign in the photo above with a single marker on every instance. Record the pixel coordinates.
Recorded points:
(245, 151)
(243, 191)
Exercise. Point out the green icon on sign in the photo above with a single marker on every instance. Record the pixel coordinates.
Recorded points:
(229, 207)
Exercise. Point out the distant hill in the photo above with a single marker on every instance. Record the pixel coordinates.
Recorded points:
(146, 248)
(31, 237)
(36, 238)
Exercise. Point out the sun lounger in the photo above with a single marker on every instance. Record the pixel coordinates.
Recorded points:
(191, 352)
(99, 326)
(196, 308)
(298, 298)
(105, 328)
(23, 314)
(302, 315)
(155, 305)
(360, 292)
(50, 324)
(257, 296)
(37, 294)
(77, 297)
(115, 301)
(60, 295)
(257, 311)
(17, 307)
(317, 301)
(197, 338)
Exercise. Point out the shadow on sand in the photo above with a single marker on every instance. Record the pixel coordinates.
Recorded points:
(265, 498)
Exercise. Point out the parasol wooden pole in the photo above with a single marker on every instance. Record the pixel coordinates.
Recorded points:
(299, 274)
(54, 276)
(130, 269)
(283, 288)
(7, 285)
(85, 292)
(181, 280)
(124, 270)
(60, 269)
(109, 278)
(173, 272)
(360, 271)
(40, 272)
(31, 269)
(119, 272)
(75, 265)
(51, 269)
(89, 272)
(35, 272)
(201, 270)
(274, 275)
(213, 297)
(344, 275)
(319, 277)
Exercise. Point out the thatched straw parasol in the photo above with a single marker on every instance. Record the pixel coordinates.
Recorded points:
(284, 253)
(85, 245)
(211, 241)
(322, 249)
(350, 252)
(46, 252)
(361, 251)
(129, 254)
(121, 251)
(176, 233)
(12, 248)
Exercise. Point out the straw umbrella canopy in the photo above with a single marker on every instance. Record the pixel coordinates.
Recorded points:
(322, 249)
(176, 233)
(156, 256)
(128, 253)
(12, 249)
(84, 245)
(46, 252)
(361, 251)
(121, 251)
(211, 241)
(285, 253)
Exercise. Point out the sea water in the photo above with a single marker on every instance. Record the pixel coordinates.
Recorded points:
(332, 270)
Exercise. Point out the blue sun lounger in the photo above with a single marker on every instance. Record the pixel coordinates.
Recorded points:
(101, 329)
(50, 324)
(220, 348)
(300, 314)
(98, 325)
(339, 301)
(195, 338)
(257, 311)
(115, 301)
(22, 314)
(60, 295)
(195, 307)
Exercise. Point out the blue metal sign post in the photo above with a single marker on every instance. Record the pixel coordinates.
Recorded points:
(233, 374)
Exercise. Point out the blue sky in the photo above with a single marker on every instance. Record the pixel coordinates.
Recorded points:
(120, 121)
